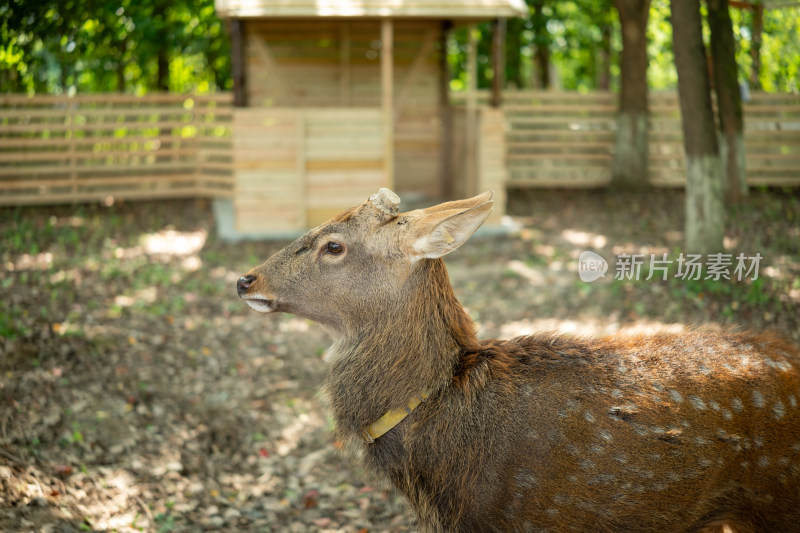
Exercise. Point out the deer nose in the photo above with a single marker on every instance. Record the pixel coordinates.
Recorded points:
(244, 283)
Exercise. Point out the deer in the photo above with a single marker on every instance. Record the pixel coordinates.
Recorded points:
(666, 432)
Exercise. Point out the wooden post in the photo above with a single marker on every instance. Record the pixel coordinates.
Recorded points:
(387, 97)
(448, 179)
(238, 60)
(756, 30)
(301, 151)
(73, 164)
(472, 112)
(498, 60)
(344, 64)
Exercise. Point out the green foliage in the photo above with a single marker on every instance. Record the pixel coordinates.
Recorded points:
(573, 31)
(72, 46)
(68, 46)
(576, 33)
(661, 72)
(780, 49)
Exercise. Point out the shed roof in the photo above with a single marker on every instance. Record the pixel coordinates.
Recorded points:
(431, 9)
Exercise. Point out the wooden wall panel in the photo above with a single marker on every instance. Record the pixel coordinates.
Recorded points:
(491, 154)
(269, 195)
(297, 167)
(336, 64)
(345, 159)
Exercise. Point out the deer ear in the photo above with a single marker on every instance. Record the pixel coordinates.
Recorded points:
(441, 229)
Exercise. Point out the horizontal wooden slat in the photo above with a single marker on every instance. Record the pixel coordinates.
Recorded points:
(61, 149)
(565, 139)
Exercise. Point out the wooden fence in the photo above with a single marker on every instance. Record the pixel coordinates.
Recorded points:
(559, 139)
(297, 167)
(57, 149)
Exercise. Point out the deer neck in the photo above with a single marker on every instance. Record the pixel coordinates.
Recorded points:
(407, 349)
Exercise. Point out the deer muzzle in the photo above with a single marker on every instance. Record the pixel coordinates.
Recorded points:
(254, 300)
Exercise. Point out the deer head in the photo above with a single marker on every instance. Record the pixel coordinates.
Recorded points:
(358, 262)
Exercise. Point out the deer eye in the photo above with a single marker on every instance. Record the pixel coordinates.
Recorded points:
(334, 248)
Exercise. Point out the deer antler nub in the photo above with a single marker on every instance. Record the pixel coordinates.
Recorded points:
(386, 201)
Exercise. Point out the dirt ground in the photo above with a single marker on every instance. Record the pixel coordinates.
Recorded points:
(137, 393)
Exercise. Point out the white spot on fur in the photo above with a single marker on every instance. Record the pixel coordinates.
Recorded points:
(606, 435)
(783, 366)
(697, 403)
(726, 414)
(602, 479)
(737, 404)
(588, 416)
(792, 400)
(778, 410)
(573, 450)
(763, 461)
(758, 399)
(676, 396)
(525, 479)
(561, 499)
(714, 405)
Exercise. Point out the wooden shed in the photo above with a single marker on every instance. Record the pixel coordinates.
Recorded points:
(336, 98)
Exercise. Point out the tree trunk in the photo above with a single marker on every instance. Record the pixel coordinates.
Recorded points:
(162, 37)
(498, 61)
(162, 72)
(729, 100)
(541, 47)
(604, 59)
(705, 213)
(755, 46)
(513, 57)
(629, 168)
(122, 46)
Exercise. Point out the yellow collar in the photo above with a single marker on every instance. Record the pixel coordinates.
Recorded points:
(391, 419)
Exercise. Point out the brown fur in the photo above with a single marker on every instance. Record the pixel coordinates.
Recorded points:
(677, 433)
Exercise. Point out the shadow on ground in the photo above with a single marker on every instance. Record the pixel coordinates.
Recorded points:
(138, 394)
